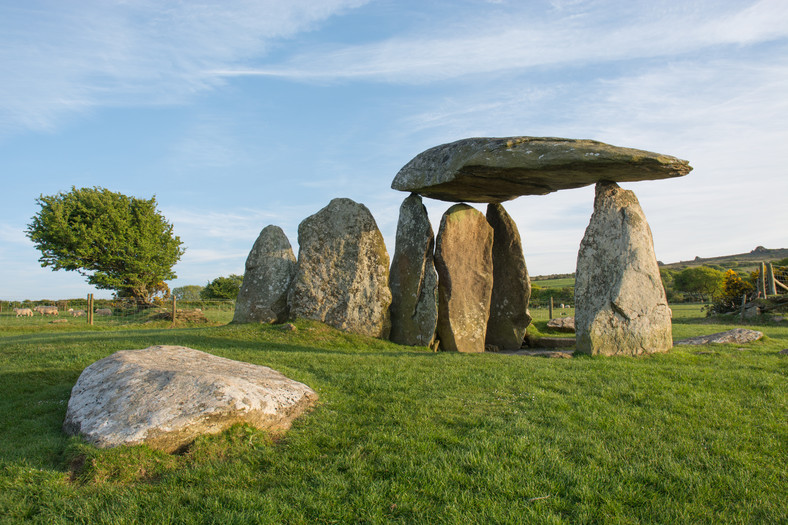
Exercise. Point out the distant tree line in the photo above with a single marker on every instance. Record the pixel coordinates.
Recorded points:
(221, 288)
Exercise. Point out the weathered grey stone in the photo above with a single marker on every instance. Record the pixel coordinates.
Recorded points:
(736, 336)
(166, 396)
(621, 308)
(511, 291)
(413, 281)
(549, 342)
(562, 324)
(342, 277)
(463, 259)
(751, 311)
(500, 169)
(270, 268)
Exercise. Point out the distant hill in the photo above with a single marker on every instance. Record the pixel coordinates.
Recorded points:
(741, 260)
(759, 254)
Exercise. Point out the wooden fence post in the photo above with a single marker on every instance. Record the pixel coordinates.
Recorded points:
(762, 280)
(551, 308)
(90, 309)
(743, 302)
(771, 288)
(174, 309)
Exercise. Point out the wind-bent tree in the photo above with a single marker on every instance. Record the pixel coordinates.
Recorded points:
(119, 243)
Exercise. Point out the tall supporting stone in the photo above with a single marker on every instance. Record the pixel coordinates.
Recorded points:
(270, 268)
(463, 259)
(621, 307)
(342, 277)
(413, 281)
(511, 290)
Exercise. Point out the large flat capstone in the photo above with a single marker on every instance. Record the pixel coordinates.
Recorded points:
(166, 396)
(500, 169)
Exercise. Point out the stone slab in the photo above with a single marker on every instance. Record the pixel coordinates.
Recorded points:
(737, 336)
(500, 169)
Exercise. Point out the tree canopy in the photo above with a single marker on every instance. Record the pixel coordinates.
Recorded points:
(223, 287)
(700, 280)
(118, 242)
(189, 292)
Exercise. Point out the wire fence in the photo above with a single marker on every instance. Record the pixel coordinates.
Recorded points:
(116, 312)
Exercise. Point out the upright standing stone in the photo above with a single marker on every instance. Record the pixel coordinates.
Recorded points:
(621, 307)
(342, 277)
(413, 281)
(270, 268)
(463, 259)
(511, 286)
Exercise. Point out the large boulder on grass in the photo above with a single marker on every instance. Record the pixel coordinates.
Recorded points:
(620, 303)
(413, 281)
(342, 276)
(463, 259)
(166, 396)
(270, 268)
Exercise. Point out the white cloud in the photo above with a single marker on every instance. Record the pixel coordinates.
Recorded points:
(513, 41)
(64, 58)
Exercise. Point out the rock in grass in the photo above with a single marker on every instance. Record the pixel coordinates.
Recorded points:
(342, 276)
(511, 290)
(562, 324)
(270, 268)
(736, 336)
(413, 281)
(499, 169)
(463, 259)
(166, 396)
(620, 303)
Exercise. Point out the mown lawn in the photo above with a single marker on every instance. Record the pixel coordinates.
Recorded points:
(698, 435)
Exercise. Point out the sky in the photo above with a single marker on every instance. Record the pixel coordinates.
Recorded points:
(241, 114)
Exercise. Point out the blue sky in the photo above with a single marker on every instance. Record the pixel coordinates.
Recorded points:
(241, 114)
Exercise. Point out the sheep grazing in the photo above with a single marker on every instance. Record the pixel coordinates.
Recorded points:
(23, 312)
(76, 313)
(104, 311)
(46, 310)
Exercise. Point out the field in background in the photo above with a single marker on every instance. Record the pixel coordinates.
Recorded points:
(215, 312)
(405, 435)
(555, 283)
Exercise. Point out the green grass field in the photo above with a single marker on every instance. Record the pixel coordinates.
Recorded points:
(555, 283)
(404, 435)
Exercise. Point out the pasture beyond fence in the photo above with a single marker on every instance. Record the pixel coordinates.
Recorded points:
(90, 311)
